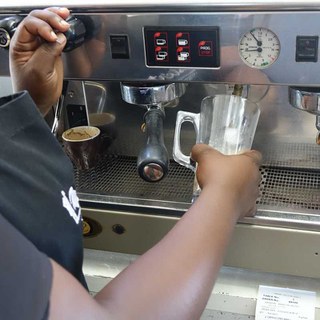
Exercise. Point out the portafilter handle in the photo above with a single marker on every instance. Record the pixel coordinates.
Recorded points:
(153, 160)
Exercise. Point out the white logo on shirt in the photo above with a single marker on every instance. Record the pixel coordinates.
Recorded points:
(71, 203)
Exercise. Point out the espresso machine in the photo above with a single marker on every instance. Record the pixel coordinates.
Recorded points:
(154, 59)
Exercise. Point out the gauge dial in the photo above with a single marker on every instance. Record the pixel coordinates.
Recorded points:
(259, 48)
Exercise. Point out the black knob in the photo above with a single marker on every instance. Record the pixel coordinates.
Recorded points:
(153, 161)
(76, 34)
(7, 28)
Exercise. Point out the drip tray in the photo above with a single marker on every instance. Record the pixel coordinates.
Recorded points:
(296, 190)
(117, 176)
(288, 194)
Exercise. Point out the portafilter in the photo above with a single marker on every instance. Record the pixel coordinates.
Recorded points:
(153, 160)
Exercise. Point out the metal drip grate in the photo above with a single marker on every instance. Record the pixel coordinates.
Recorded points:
(290, 189)
(291, 155)
(118, 176)
(281, 188)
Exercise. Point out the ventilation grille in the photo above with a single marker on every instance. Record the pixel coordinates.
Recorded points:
(118, 176)
(281, 188)
(290, 189)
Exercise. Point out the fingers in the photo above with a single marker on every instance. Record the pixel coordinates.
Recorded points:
(46, 56)
(43, 23)
(254, 155)
(200, 149)
(61, 11)
(41, 56)
(54, 17)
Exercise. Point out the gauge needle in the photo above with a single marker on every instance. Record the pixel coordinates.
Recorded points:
(256, 49)
(259, 43)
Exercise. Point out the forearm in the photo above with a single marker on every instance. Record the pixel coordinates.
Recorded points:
(154, 287)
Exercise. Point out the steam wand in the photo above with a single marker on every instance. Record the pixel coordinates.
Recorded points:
(237, 90)
(318, 127)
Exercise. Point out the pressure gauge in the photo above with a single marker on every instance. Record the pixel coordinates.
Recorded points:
(259, 48)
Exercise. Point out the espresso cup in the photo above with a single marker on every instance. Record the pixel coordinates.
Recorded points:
(82, 145)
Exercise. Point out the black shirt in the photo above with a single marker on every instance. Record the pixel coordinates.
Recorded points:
(25, 277)
(36, 184)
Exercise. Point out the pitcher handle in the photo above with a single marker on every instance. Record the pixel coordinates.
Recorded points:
(178, 155)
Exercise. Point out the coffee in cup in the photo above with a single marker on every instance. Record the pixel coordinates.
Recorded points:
(82, 145)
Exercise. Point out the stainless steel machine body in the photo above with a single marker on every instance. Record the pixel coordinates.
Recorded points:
(135, 41)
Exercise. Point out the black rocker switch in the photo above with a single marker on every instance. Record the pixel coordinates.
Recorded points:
(119, 47)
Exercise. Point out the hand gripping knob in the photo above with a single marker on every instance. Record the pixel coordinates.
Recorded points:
(75, 35)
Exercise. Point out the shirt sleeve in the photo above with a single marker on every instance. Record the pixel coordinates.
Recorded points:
(25, 276)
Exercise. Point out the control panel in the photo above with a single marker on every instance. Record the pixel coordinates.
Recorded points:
(182, 47)
(233, 47)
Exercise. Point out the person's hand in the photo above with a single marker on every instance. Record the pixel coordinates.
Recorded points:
(236, 178)
(35, 55)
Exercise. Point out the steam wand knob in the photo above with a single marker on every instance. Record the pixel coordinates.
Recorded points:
(76, 34)
(7, 28)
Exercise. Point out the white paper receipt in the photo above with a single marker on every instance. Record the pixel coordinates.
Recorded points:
(285, 304)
